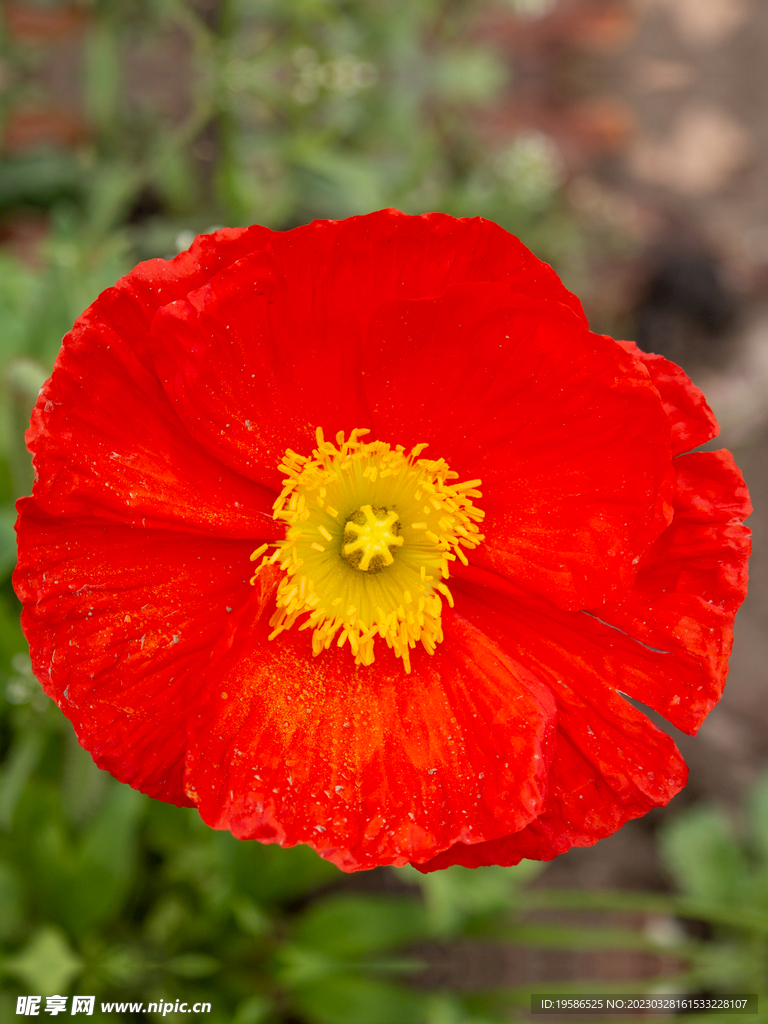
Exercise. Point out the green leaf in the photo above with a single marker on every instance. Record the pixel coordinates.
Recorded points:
(700, 851)
(458, 893)
(253, 1010)
(350, 999)
(349, 926)
(47, 965)
(109, 841)
(471, 76)
(22, 761)
(173, 176)
(729, 966)
(250, 918)
(18, 285)
(109, 849)
(757, 805)
(39, 179)
(445, 1009)
(7, 539)
(298, 966)
(11, 914)
(270, 874)
(123, 965)
(342, 181)
(102, 75)
(168, 921)
(12, 642)
(83, 785)
(84, 882)
(111, 191)
(22, 380)
(551, 936)
(193, 965)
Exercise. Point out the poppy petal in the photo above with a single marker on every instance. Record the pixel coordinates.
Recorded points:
(104, 438)
(270, 348)
(121, 630)
(665, 643)
(564, 429)
(582, 807)
(357, 264)
(364, 764)
(688, 589)
(667, 640)
(230, 364)
(692, 421)
(611, 763)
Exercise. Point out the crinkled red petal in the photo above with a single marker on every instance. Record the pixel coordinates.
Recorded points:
(272, 347)
(366, 765)
(105, 439)
(230, 363)
(565, 431)
(581, 810)
(121, 624)
(665, 643)
(688, 589)
(692, 421)
(611, 763)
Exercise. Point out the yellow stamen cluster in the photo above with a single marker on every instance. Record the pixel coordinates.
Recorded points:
(371, 534)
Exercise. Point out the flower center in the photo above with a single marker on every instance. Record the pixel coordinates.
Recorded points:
(371, 535)
(371, 538)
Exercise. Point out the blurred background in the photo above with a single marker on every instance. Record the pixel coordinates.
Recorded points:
(625, 142)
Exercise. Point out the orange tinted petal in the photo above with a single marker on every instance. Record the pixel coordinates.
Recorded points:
(583, 807)
(366, 765)
(611, 763)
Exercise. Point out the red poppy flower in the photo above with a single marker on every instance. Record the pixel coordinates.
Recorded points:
(428, 658)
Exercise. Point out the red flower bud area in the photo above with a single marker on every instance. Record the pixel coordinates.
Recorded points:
(356, 536)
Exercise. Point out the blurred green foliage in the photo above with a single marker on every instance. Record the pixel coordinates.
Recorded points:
(722, 873)
(279, 111)
(717, 925)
